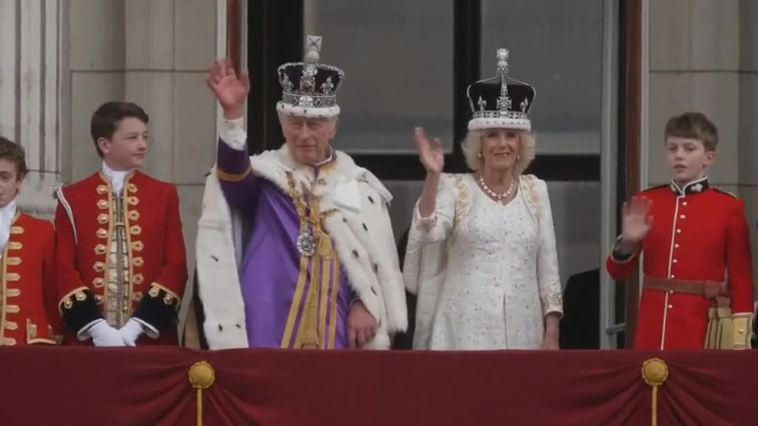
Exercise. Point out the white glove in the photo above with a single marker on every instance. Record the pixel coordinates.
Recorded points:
(131, 331)
(104, 335)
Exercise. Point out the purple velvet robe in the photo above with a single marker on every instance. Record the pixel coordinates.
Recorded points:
(275, 280)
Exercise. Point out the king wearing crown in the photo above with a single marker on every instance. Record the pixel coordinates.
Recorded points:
(316, 264)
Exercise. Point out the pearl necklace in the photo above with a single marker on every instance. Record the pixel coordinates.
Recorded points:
(499, 197)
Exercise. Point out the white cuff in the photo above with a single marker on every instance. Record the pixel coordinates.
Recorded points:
(84, 332)
(151, 331)
(232, 133)
(425, 223)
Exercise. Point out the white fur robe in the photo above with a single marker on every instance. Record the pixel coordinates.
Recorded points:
(360, 229)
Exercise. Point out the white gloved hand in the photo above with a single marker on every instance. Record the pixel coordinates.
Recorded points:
(131, 331)
(104, 335)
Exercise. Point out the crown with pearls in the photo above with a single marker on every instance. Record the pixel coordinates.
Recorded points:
(309, 89)
(500, 101)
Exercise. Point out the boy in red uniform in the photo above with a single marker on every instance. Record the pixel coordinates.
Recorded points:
(120, 257)
(697, 289)
(28, 313)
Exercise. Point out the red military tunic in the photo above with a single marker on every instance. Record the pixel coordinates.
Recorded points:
(28, 313)
(155, 258)
(698, 234)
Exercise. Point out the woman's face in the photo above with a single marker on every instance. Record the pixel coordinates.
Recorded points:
(501, 149)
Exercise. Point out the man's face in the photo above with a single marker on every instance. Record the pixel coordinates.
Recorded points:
(687, 158)
(127, 148)
(308, 139)
(10, 181)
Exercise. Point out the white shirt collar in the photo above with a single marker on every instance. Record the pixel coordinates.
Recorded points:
(116, 177)
(328, 158)
(7, 214)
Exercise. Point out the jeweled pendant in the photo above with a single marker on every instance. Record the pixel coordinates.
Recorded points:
(306, 244)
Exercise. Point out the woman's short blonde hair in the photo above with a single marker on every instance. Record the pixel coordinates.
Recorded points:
(472, 147)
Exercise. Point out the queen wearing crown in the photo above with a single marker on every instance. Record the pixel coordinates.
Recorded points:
(314, 265)
(481, 252)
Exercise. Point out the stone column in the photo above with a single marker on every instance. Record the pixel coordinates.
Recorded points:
(30, 88)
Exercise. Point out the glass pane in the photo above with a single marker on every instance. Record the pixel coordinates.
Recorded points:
(397, 56)
(557, 47)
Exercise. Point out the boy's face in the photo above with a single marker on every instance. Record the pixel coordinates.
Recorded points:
(10, 183)
(127, 148)
(687, 158)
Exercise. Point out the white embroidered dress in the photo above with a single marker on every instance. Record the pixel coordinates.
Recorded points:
(501, 275)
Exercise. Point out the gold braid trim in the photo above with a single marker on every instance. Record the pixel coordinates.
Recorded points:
(66, 301)
(233, 177)
(167, 299)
